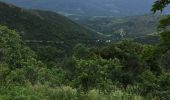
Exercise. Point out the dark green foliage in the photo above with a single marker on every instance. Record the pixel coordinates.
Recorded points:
(82, 52)
(164, 22)
(160, 5)
(165, 38)
(122, 60)
(97, 73)
(137, 65)
(127, 51)
(158, 86)
(165, 61)
(151, 56)
(164, 45)
(148, 39)
(129, 55)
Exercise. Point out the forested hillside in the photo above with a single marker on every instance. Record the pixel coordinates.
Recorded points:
(41, 25)
(128, 27)
(35, 68)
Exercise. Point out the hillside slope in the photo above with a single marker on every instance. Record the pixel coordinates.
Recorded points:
(133, 26)
(41, 25)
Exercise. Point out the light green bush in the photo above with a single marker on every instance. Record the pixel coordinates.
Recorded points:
(96, 95)
(120, 95)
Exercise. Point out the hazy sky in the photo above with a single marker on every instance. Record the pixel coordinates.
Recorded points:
(90, 7)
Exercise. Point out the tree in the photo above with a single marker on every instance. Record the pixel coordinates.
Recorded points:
(80, 51)
(18, 59)
(164, 46)
(95, 73)
(128, 52)
(150, 55)
(159, 5)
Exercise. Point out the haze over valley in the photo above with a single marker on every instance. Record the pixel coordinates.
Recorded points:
(116, 8)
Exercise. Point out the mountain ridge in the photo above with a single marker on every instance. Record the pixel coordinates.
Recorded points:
(89, 7)
(38, 23)
(132, 26)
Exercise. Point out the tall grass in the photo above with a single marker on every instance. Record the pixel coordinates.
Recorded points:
(115, 95)
(40, 92)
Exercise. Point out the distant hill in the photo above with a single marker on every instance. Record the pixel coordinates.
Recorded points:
(127, 27)
(90, 7)
(148, 39)
(41, 25)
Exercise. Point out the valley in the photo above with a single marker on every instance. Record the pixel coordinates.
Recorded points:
(129, 27)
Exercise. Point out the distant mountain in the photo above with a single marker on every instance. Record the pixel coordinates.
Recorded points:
(89, 7)
(41, 25)
(127, 27)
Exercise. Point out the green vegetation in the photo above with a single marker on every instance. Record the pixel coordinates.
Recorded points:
(130, 27)
(60, 93)
(123, 70)
(119, 71)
